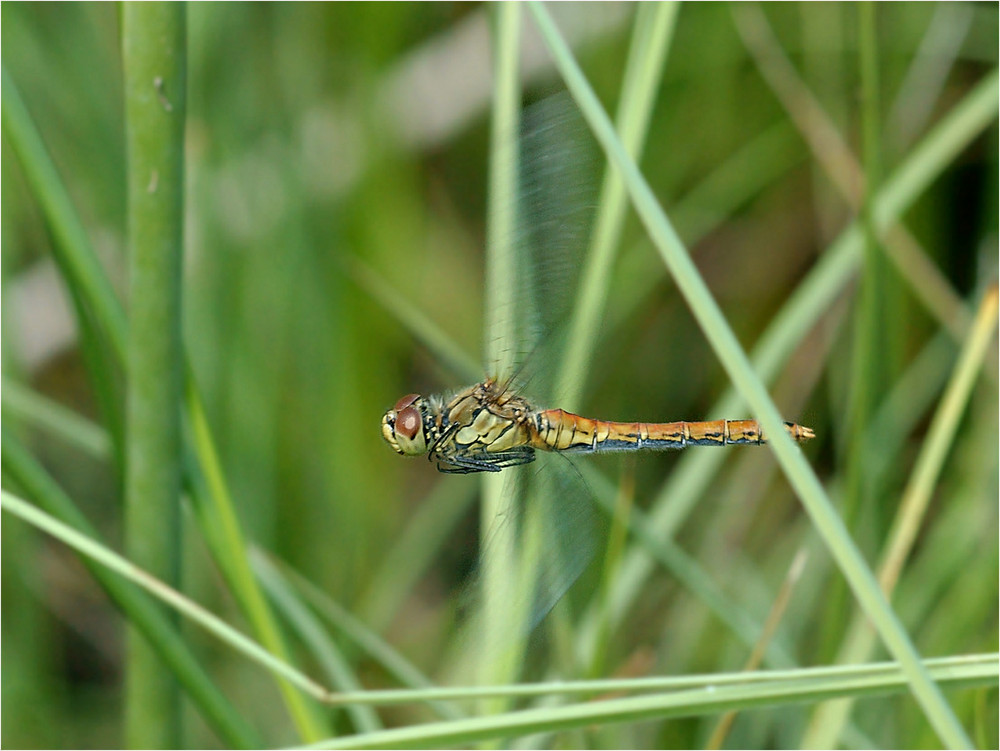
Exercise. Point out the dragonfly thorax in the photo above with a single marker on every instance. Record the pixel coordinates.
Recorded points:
(482, 428)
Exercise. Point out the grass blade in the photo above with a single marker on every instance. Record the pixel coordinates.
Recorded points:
(24, 404)
(827, 721)
(800, 313)
(141, 612)
(155, 61)
(99, 314)
(204, 478)
(500, 560)
(654, 25)
(739, 368)
(710, 698)
(125, 568)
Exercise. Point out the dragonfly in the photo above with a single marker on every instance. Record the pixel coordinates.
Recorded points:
(491, 425)
(488, 427)
(494, 425)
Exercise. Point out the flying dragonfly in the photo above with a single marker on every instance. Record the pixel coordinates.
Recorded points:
(488, 427)
(493, 425)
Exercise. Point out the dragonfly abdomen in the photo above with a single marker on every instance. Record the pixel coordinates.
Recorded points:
(558, 430)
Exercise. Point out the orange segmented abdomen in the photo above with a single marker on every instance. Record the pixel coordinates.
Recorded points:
(558, 430)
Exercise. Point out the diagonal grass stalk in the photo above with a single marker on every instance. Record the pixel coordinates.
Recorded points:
(100, 318)
(29, 406)
(832, 154)
(361, 634)
(825, 726)
(653, 29)
(800, 313)
(444, 349)
(125, 568)
(19, 466)
(214, 507)
(740, 370)
(774, 618)
(339, 671)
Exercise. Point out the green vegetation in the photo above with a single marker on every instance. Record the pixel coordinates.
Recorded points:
(811, 231)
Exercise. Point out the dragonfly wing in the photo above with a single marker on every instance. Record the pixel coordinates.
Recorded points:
(557, 189)
(528, 571)
(560, 506)
(558, 528)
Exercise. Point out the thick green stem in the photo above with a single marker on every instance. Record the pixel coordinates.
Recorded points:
(154, 50)
(206, 483)
(500, 560)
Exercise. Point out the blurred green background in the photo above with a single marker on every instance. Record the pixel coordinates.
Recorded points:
(321, 136)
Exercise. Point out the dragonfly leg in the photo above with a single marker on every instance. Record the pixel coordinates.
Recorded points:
(463, 464)
(452, 469)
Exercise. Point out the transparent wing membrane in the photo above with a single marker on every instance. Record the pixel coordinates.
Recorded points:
(558, 178)
(547, 524)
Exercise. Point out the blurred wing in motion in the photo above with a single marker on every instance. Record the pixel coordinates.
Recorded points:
(556, 522)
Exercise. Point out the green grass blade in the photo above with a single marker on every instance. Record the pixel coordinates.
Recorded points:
(502, 559)
(72, 246)
(653, 29)
(219, 523)
(141, 612)
(800, 313)
(907, 405)
(340, 674)
(337, 616)
(502, 272)
(828, 720)
(711, 697)
(99, 314)
(155, 60)
(940, 437)
(739, 368)
(125, 568)
(978, 663)
(21, 403)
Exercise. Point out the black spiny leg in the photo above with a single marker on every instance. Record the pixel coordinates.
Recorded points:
(464, 464)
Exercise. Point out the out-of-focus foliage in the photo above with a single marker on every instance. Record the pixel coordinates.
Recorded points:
(321, 136)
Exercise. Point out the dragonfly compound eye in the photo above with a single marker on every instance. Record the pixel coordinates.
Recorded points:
(410, 431)
(403, 428)
(405, 402)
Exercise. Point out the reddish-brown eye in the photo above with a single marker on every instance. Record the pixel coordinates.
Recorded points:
(407, 421)
(406, 401)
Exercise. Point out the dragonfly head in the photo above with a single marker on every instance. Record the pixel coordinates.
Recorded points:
(403, 427)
